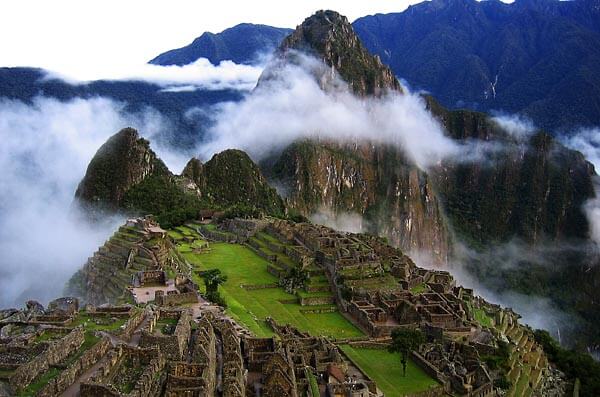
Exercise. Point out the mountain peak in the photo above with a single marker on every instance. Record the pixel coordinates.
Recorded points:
(330, 37)
(123, 161)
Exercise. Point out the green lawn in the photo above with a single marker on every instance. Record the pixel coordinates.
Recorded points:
(89, 322)
(386, 370)
(251, 307)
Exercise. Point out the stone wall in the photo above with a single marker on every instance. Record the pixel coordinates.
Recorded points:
(148, 384)
(131, 325)
(176, 299)
(172, 346)
(56, 352)
(317, 300)
(72, 372)
(431, 370)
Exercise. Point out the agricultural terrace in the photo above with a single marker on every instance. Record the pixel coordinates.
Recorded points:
(245, 269)
(386, 370)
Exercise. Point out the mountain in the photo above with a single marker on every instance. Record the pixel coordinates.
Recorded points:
(330, 36)
(375, 181)
(231, 178)
(126, 175)
(242, 43)
(531, 190)
(537, 58)
(534, 57)
(121, 163)
(25, 84)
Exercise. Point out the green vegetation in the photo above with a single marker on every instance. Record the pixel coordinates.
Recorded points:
(161, 196)
(33, 388)
(405, 340)
(574, 364)
(419, 289)
(482, 318)
(251, 307)
(212, 279)
(312, 381)
(98, 322)
(386, 370)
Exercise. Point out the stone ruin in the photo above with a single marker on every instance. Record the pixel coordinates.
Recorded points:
(162, 349)
(139, 250)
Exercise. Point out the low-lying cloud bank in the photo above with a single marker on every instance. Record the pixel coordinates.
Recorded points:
(200, 74)
(539, 312)
(291, 105)
(45, 149)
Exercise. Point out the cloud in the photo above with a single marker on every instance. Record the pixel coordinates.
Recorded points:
(200, 74)
(518, 126)
(587, 141)
(485, 270)
(45, 149)
(291, 105)
(342, 221)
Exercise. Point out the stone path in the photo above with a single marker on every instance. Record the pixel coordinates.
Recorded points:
(73, 390)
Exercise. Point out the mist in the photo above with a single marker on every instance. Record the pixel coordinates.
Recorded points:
(587, 141)
(290, 104)
(341, 221)
(518, 126)
(539, 312)
(45, 149)
(200, 74)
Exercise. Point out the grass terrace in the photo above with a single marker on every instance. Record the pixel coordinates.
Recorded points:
(92, 322)
(482, 318)
(242, 267)
(419, 289)
(386, 370)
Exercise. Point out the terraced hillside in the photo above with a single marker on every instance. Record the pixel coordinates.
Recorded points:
(133, 248)
(253, 292)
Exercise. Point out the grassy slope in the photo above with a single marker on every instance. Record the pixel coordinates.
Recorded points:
(386, 370)
(243, 266)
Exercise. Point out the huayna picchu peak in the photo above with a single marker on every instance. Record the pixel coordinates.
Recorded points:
(329, 37)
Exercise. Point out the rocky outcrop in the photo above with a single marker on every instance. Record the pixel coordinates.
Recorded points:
(126, 175)
(122, 162)
(329, 36)
(396, 199)
(531, 187)
(377, 182)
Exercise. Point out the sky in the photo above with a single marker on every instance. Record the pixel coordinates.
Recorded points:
(92, 39)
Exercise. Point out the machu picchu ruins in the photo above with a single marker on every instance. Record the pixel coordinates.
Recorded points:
(139, 320)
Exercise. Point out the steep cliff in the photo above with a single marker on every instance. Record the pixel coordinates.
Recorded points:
(377, 182)
(330, 37)
(530, 187)
(395, 198)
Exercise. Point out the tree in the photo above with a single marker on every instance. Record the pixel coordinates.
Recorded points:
(212, 279)
(403, 341)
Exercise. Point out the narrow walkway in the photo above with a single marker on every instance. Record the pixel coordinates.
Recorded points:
(73, 389)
